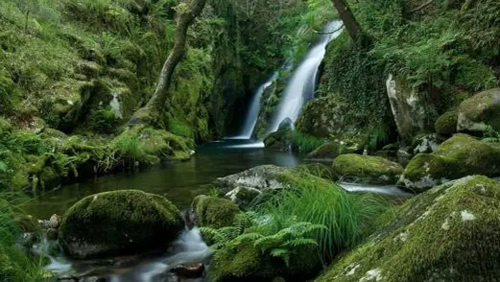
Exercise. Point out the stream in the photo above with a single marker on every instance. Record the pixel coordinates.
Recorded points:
(180, 182)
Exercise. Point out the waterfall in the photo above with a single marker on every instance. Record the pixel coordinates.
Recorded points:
(253, 111)
(301, 86)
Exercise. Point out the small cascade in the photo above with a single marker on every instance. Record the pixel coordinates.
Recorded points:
(302, 85)
(189, 248)
(253, 111)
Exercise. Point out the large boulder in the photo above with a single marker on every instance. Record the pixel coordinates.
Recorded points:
(479, 112)
(457, 157)
(449, 233)
(366, 169)
(410, 111)
(425, 143)
(260, 177)
(323, 117)
(119, 223)
(214, 212)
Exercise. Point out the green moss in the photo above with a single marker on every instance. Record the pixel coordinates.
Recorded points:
(480, 111)
(243, 263)
(119, 222)
(214, 212)
(455, 220)
(366, 169)
(459, 156)
(329, 151)
(446, 124)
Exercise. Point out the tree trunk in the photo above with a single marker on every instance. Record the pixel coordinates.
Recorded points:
(150, 113)
(349, 20)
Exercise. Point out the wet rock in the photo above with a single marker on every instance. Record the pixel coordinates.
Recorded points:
(214, 212)
(366, 169)
(260, 177)
(280, 140)
(194, 270)
(479, 112)
(457, 157)
(119, 223)
(286, 124)
(457, 220)
(52, 234)
(55, 221)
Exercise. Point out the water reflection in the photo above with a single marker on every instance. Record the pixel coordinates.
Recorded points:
(180, 182)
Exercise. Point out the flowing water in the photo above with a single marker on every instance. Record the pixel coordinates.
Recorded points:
(253, 111)
(302, 85)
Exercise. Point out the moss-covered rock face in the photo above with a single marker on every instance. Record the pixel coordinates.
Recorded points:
(323, 117)
(118, 223)
(457, 157)
(278, 141)
(446, 234)
(214, 212)
(366, 169)
(480, 111)
(330, 151)
(243, 263)
(243, 196)
(446, 124)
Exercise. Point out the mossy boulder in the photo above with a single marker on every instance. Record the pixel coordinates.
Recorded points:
(446, 124)
(243, 263)
(457, 157)
(214, 212)
(479, 112)
(449, 233)
(279, 141)
(366, 169)
(330, 151)
(119, 223)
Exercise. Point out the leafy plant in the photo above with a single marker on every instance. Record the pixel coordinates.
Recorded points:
(491, 135)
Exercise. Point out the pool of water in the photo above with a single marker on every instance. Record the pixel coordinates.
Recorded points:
(180, 182)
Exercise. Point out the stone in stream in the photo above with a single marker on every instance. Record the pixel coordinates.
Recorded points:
(366, 169)
(480, 112)
(119, 223)
(260, 177)
(214, 212)
(457, 157)
(188, 270)
(449, 233)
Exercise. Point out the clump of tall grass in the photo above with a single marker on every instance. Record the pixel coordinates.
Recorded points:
(304, 142)
(348, 218)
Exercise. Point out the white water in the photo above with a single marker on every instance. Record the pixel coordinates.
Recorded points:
(253, 111)
(377, 189)
(302, 85)
(188, 248)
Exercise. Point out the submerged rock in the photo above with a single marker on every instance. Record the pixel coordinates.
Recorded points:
(214, 212)
(479, 112)
(119, 223)
(446, 234)
(366, 169)
(459, 156)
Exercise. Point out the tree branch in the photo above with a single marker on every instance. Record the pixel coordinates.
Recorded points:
(332, 32)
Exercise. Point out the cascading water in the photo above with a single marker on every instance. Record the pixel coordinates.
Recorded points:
(302, 85)
(253, 111)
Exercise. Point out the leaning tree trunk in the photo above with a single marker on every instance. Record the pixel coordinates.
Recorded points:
(350, 23)
(151, 113)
